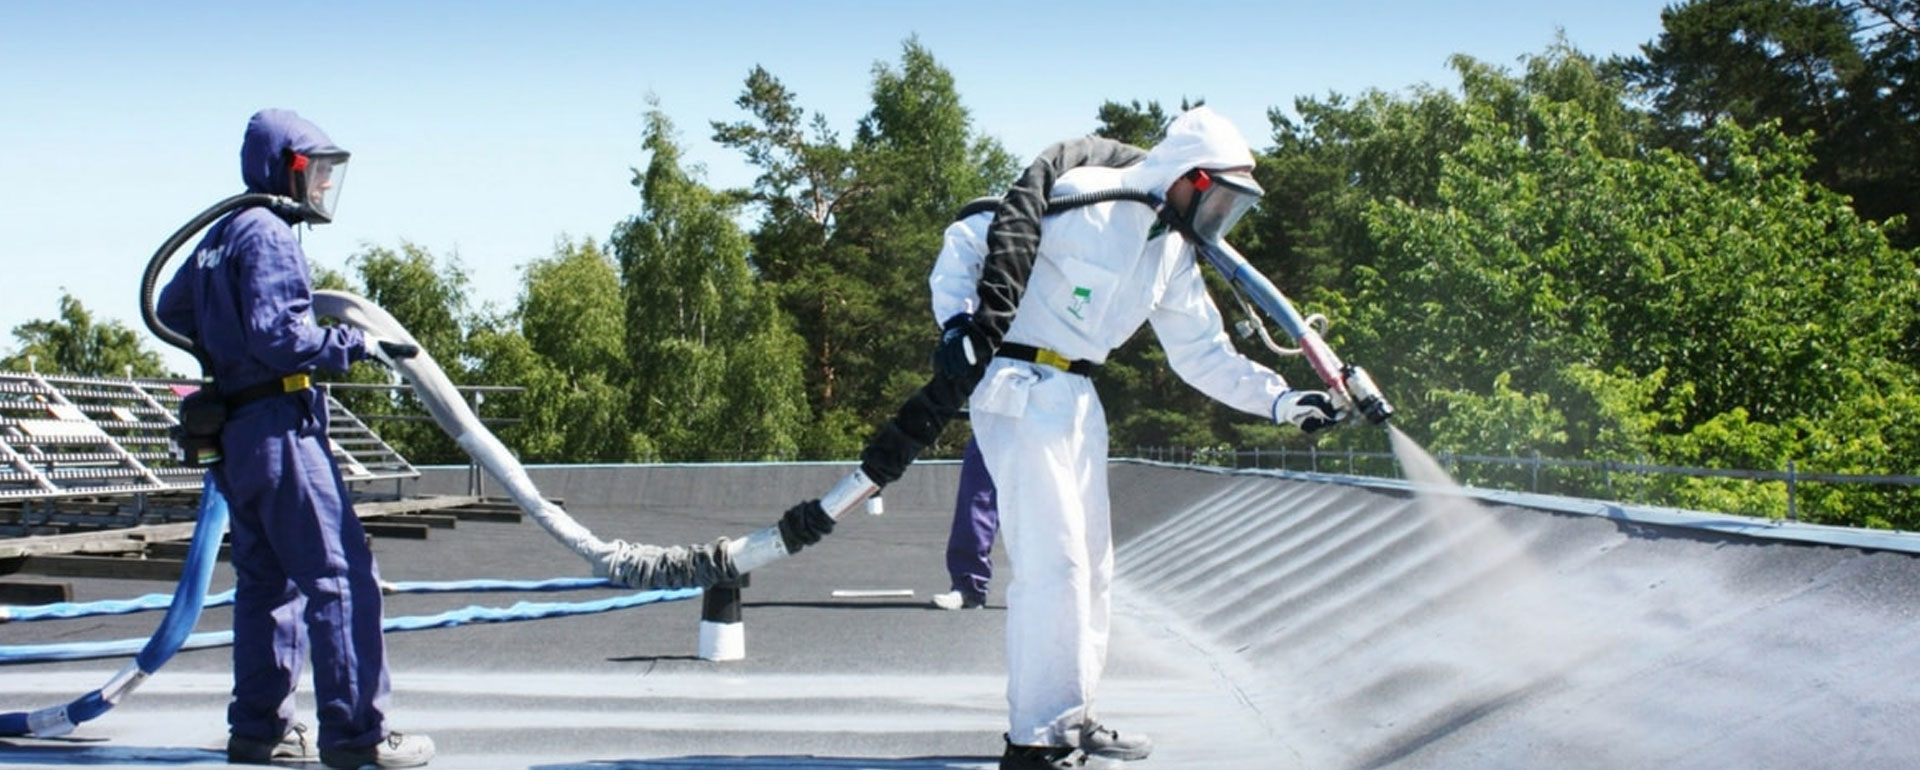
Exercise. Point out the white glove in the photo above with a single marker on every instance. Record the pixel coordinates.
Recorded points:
(387, 351)
(1309, 410)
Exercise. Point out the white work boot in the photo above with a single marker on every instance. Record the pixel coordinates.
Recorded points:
(396, 750)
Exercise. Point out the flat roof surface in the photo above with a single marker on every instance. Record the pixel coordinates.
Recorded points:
(1262, 621)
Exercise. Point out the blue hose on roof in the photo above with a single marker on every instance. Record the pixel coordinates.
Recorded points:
(42, 653)
(70, 610)
(489, 584)
(174, 629)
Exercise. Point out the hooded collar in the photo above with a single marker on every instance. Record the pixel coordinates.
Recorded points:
(270, 134)
(1199, 138)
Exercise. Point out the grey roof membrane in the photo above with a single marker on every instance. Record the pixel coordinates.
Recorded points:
(1263, 621)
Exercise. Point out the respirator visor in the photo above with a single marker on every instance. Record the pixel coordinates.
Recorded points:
(317, 177)
(1220, 199)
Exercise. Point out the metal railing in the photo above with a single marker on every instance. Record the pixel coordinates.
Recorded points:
(476, 396)
(96, 452)
(65, 436)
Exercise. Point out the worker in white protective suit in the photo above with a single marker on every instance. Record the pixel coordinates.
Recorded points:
(1101, 270)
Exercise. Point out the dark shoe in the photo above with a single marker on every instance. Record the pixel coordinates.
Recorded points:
(1104, 741)
(954, 600)
(242, 750)
(397, 750)
(1018, 757)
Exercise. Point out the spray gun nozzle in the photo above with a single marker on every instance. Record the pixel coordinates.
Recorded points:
(1366, 395)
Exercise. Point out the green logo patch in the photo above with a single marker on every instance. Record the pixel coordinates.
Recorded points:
(1082, 297)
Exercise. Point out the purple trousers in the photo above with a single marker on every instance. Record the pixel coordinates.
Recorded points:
(306, 584)
(976, 519)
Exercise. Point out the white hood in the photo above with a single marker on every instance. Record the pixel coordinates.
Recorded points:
(1199, 138)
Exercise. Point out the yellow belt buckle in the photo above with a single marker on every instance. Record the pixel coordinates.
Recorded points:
(1053, 359)
(294, 383)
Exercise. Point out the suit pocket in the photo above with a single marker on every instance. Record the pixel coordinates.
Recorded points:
(1006, 391)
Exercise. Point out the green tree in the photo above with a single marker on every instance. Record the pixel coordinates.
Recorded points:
(1841, 72)
(716, 369)
(75, 344)
(804, 174)
(847, 234)
(918, 159)
(1132, 123)
(1721, 294)
(564, 343)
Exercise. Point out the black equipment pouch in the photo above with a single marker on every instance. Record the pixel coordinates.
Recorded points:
(196, 440)
(203, 413)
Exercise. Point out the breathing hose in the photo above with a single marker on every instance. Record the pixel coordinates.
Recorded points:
(158, 262)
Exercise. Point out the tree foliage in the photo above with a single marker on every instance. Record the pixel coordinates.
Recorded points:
(716, 366)
(75, 344)
(1841, 73)
(1672, 307)
(848, 233)
(563, 343)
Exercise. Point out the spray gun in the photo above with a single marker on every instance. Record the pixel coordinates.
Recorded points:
(1349, 384)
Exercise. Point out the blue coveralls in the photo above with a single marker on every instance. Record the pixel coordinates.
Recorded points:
(305, 575)
(976, 520)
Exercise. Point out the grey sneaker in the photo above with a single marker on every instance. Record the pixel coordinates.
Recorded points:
(396, 750)
(1101, 740)
(954, 600)
(1018, 757)
(242, 750)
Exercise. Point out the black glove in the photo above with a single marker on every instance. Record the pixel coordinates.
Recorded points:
(803, 525)
(1309, 410)
(387, 351)
(963, 352)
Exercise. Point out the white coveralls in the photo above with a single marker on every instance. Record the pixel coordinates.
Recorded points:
(1042, 430)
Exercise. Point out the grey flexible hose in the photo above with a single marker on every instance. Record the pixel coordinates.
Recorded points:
(637, 565)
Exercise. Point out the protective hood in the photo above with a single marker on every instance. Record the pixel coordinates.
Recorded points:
(1199, 138)
(272, 136)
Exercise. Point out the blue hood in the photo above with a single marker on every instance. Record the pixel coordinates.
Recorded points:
(270, 133)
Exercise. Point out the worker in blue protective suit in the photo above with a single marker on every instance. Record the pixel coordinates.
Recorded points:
(306, 579)
(976, 522)
(1102, 270)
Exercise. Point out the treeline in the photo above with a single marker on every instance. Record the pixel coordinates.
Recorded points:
(1699, 256)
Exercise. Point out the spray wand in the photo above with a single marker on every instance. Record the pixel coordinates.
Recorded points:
(1348, 383)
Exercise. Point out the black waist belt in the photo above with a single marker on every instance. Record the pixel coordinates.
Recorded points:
(1019, 352)
(292, 383)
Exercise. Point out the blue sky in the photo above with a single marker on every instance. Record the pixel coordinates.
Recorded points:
(487, 131)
